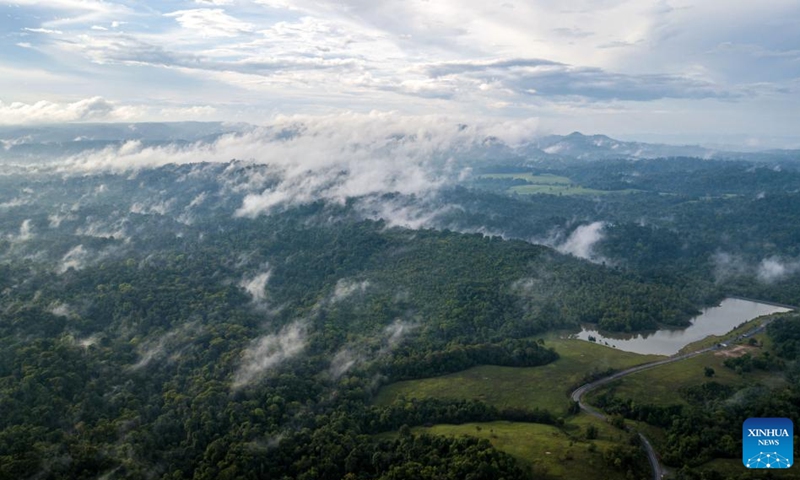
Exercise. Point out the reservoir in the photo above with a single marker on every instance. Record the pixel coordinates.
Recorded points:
(719, 320)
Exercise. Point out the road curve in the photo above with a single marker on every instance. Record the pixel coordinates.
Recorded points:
(578, 393)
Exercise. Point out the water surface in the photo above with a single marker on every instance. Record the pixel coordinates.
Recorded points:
(719, 320)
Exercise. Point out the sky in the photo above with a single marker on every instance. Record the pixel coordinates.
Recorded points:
(684, 71)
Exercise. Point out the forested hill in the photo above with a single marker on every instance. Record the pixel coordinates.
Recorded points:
(146, 337)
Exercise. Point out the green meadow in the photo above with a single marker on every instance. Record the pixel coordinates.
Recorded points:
(548, 184)
(543, 387)
(546, 450)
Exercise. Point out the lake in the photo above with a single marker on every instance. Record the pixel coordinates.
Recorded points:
(719, 320)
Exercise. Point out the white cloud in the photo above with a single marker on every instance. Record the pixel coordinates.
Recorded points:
(397, 331)
(329, 158)
(256, 286)
(76, 258)
(211, 22)
(774, 269)
(269, 351)
(188, 113)
(25, 231)
(582, 240)
(45, 31)
(14, 202)
(630, 66)
(345, 288)
(343, 361)
(90, 109)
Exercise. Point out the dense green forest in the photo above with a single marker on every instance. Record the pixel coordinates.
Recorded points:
(149, 331)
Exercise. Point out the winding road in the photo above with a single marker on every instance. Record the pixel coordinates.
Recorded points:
(578, 393)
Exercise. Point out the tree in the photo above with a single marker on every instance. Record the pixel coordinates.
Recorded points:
(709, 372)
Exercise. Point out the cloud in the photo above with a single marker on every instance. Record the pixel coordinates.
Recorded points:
(727, 266)
(211, 22)
(269, 351)
(582, 240)
(546, 78)
(768, 270)
(774, 269)
(75, 259)
(168, 345)
(13, 203)
(25, 231)
(97, 228)
(353, 355)
(345, 288)
(331, 158)
(90, 109)
(44, 31)
(343, 361)
(396, 333)
(60, 309)
(256, 286)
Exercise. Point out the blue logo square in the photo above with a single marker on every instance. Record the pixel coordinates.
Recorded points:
(768, 443)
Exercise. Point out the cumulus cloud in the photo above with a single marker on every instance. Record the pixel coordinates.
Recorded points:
(582, 240)
(90, 109)
(269, 351)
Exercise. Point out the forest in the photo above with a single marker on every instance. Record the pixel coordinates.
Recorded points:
(148, 331)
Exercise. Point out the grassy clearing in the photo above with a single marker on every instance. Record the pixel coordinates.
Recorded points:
(729, 337)
(562, 190)
(661, 385)
(545, 449)
(543, 387)
(543, 179)
(548, 184)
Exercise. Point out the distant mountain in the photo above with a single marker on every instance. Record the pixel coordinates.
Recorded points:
(595, 147)
(34, 143)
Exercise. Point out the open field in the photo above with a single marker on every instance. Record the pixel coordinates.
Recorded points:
(545, 449)
(548, 184)
(561, 190)
(545, 387)
(543, 179)
(727, 337)
(661, 385)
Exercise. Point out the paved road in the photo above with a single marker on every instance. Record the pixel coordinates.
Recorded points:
(578, 393)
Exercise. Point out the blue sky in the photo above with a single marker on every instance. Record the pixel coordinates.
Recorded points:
(687, 70)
